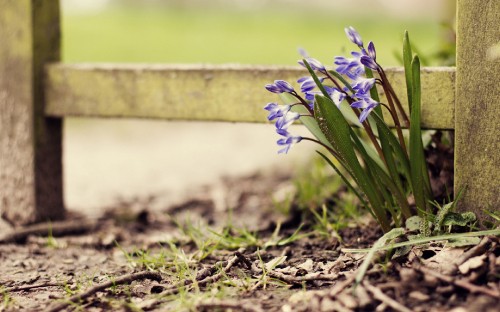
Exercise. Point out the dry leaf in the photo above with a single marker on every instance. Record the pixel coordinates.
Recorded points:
(308, 265)
(270, 265)
(471, 264)
(442, 259)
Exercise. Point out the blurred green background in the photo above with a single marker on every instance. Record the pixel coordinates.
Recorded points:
(106, 160)
(226, 32)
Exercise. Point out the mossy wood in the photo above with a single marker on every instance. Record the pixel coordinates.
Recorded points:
(477, 124)
(30, 144)
(221, 93)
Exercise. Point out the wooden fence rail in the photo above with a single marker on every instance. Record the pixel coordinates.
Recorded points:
(221, 93)
(37, 93)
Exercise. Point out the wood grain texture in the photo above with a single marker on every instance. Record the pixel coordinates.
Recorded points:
(477, 149)
(219, 93)
(30, 144)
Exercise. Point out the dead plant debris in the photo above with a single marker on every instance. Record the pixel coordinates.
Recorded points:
(134, 259)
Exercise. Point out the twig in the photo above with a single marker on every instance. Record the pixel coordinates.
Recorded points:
(175, 288)
(52, 228)
(244, 260)
(28, 287)
(300, 279)
(339, 287)
(474, 251)
(216, 277)
(460, 283)
(224, 304)
(290, 279)
(286, 251)
(125, 279)
(379, 295)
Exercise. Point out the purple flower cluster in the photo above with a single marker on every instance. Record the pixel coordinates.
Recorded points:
(357, 93)
(283, 115)
(354, 68)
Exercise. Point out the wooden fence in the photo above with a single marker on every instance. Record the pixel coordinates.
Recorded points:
(37, 92)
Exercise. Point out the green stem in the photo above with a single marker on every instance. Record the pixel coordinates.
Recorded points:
(393, 93)
(397, 124)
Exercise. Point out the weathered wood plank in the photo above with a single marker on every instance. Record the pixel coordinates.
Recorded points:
(477, 148)
(30, 144)
(222, 93)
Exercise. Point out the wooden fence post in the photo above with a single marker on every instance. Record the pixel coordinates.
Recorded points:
(30, 144)
(477, 108)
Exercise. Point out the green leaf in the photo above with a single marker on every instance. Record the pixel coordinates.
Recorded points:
(441, 214)
(386, 181)
(407, 58)
(392, 234)
(349, 114)
(425, 240)
(413, 223)
(459, 219)
(393, 140)
(336, 129)
(399, 154)
(464, 241)
(417, 159)
(387, 150)
(365, 147)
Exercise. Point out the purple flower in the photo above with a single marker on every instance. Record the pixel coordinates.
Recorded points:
(314, 63)
(271, 87)
(276, 110)
(369, 62)
(352, 67)
(285, 86)
(367, 104)
(287, 143)
(371, 51)
(308, 84)
(354, 36)
(362, 86)
(309, 96)
(286, 120)
(303, 53)
(283, 132)
(342, 64)
(279, 86)
(337, 96)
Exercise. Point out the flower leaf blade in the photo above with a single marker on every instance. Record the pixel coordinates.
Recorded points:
(336, 129)
(407, 63)
(416, 147)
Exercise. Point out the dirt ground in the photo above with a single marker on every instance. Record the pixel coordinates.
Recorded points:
(133, 259)
(232, 247)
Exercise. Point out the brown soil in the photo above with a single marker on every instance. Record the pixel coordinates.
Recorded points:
(108, 263)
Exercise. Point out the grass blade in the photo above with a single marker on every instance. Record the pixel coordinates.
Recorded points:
(417, 159)
(387, 150)
(407, 58)
(383, 180)
(392, 234)
(424, 240)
